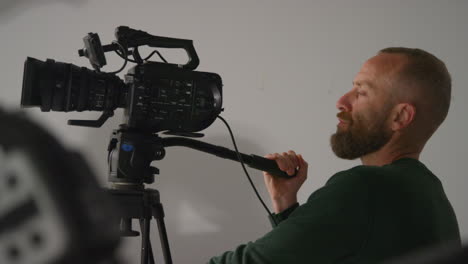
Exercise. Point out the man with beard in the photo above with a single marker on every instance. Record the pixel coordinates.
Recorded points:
(387, 207)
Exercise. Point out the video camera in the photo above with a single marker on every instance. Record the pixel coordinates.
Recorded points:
(156, 96)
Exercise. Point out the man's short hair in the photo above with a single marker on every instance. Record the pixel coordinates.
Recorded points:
(431, 79)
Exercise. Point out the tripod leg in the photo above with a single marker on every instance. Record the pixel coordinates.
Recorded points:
(145, 240)
(151, 253)
(163, 235)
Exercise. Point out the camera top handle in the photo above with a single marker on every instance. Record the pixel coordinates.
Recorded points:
(131, 38)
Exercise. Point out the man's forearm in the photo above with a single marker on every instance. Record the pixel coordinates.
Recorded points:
(283, 203)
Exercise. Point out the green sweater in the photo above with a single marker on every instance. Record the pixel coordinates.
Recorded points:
(366, 214)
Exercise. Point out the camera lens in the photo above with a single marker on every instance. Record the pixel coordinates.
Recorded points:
(58, 86)
(31, 97)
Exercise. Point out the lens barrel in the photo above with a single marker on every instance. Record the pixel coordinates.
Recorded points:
(64, 87)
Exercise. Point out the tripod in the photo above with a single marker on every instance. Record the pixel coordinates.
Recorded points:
(142, 204)
(130, 154)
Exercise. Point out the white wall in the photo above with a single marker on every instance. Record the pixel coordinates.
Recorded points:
(284, 64)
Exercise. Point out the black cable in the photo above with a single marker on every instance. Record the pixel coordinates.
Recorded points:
(149, 56)
(124, 51)
(145, 59)
(160, 56)
(121, 56)
(245, 170)
(152, 53)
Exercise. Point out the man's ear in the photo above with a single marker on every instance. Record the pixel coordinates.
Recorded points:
(403, 115)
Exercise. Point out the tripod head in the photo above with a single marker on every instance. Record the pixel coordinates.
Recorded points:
(131, 153)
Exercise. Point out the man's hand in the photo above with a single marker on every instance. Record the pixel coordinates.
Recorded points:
(283, 192)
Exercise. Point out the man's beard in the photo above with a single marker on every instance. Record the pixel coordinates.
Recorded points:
(360, 138)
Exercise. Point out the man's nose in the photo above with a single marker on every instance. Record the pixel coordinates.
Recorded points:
(343, 103)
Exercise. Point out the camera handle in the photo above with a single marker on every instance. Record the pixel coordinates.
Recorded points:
(253, 161)
(131, 153)
(131, 38)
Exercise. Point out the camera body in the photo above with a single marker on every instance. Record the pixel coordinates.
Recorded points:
(162, 97)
